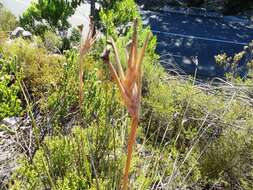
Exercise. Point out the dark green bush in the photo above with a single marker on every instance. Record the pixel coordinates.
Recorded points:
(75, 37)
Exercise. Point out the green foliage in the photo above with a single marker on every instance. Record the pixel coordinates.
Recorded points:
(188, 138)
(48, 14)
(229, 160)
(67, 168)
(84, 159)
(238, 66)
(115, 16)
(52, 41)
(10, 104)
(7, 20)
(40, 70)
(75, 37)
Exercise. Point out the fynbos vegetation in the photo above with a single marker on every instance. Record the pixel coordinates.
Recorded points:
(65, 112)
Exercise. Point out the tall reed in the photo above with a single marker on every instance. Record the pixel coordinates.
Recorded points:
(129, 84)
(86, 43)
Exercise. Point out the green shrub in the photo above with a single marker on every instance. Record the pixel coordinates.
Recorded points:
(48, 15)
(52, 41)
(114, 19)
(41, 70)
(81, 160)
(229, 160)
(75, 37)
(62, 163)
(10, 103)
(238, 67)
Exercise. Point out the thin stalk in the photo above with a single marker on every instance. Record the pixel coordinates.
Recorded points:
(34, 126)
(48, 174)
(129, 84)
(131, 142)
(81, 83)
(85, 45)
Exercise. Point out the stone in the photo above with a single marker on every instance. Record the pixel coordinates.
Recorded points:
(17, 32)
(10, 121)
(20, 32)
(26, 34)
(9, 153)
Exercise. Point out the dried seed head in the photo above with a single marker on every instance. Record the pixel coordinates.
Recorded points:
(129, 84)
(80, 27)
(105, 55)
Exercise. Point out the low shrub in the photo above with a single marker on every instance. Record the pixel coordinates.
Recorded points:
(229, 161)
(10, 103)
(70, 162)
(190, 136)
(41, 70)
(52, 41)
(75, 37)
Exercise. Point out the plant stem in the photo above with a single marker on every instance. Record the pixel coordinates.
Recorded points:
(131, 142)
(80, 84)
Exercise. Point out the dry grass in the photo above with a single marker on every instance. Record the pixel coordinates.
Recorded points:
(129, 84)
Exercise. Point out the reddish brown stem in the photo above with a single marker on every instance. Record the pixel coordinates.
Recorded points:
(131, 142)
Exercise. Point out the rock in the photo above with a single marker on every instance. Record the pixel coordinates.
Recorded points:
(17, 32)
(10, 121)
(26, 34)
(8, 126)
(63, 33)
(20, 32)
(9, 152)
